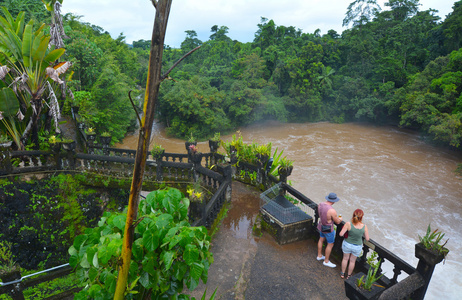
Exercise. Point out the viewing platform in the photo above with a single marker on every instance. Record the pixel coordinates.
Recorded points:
(251, 267)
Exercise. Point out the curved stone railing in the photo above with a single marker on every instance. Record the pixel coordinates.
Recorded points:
(171, 167)
(401, 288)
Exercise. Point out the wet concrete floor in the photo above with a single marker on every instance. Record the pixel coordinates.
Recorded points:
(250, 267)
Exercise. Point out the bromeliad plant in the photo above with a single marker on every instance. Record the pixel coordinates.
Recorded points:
(167, 255)
(366, 282)
(432, 239)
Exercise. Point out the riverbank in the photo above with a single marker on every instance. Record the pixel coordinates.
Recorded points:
(251, 267)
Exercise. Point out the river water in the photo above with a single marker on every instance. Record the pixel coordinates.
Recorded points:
(400, 182)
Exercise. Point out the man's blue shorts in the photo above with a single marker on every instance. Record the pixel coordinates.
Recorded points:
(330, 236)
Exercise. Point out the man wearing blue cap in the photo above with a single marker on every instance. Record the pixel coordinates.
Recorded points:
(328, 216)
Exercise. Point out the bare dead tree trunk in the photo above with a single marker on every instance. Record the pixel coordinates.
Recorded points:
(150, 99)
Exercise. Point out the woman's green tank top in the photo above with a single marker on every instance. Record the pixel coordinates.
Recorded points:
(355, 236)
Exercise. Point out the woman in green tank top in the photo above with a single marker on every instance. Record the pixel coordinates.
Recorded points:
(353, 244)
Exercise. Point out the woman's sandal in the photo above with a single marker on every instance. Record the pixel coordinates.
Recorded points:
(348, 276)
(342, 275)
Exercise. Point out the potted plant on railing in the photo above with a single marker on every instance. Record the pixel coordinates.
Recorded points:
(196, 199)
(55, 143)
(190, 141)
(91, 134)
(262, 153)
(9, 270)
(157, 151)
(194, 155)
(214, 142)
(285, 167)
(105, 138)
(430, 248)
(68, 144)
(362, 286)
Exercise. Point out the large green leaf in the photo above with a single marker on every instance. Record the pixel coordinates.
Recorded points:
(79, 240)
(145, 280)
(191, 254)
(168, 257)
(196, 270)
(104, 255)
(151, 239)
(9, 103)
(115, 246)
(39, 49)
(13, 43)
(137, 249)
(54, 55)
(119, 221)
(27, 40)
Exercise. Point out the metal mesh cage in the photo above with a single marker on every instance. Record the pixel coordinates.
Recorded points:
(274, 203)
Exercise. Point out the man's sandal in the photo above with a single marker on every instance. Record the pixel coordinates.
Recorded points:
(342, 275)
(348, 276)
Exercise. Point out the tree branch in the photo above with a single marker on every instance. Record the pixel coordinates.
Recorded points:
(176, 64)
(134, 107)
(154, 2)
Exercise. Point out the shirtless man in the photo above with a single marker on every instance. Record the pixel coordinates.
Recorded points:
(328, 216)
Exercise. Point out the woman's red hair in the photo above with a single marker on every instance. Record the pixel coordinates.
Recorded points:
(357, 216)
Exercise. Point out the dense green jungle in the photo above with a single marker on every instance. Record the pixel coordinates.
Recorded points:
(397, 66)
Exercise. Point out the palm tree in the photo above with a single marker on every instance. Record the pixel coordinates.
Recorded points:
(30, 70)
(324, 78)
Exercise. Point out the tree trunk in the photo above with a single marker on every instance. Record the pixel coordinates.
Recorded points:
(150, 99)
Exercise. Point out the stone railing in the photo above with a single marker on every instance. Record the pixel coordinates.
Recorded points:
(413, 286)
(171, 167)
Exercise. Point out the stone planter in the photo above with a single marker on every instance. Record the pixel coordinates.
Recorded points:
(91, 137)
(262, 159)
(430, 257)
(285, 171)
(214, 145)
(352, 290)
(195, 158)
(187, 144)
(195, 210)
(105, 140)
(55, 147)
(69, 146)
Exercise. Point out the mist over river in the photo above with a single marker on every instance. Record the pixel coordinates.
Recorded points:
(401, 183)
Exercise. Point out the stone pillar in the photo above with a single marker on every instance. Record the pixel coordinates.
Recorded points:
(427, 262)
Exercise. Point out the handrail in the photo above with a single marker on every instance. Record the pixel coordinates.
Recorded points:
(52, 273)
(382, 253)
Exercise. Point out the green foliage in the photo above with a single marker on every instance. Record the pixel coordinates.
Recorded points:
(398, 66)
(432, 241)
(216, 137)
(7, 263)
(25, 48)
(285, 162)
(367, 281)
(157, 150)
(52, 287)
(168, 253)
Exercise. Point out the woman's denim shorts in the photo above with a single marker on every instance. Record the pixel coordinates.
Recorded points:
(352, 248)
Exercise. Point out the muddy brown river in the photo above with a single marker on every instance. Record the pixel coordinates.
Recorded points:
(401, 183)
